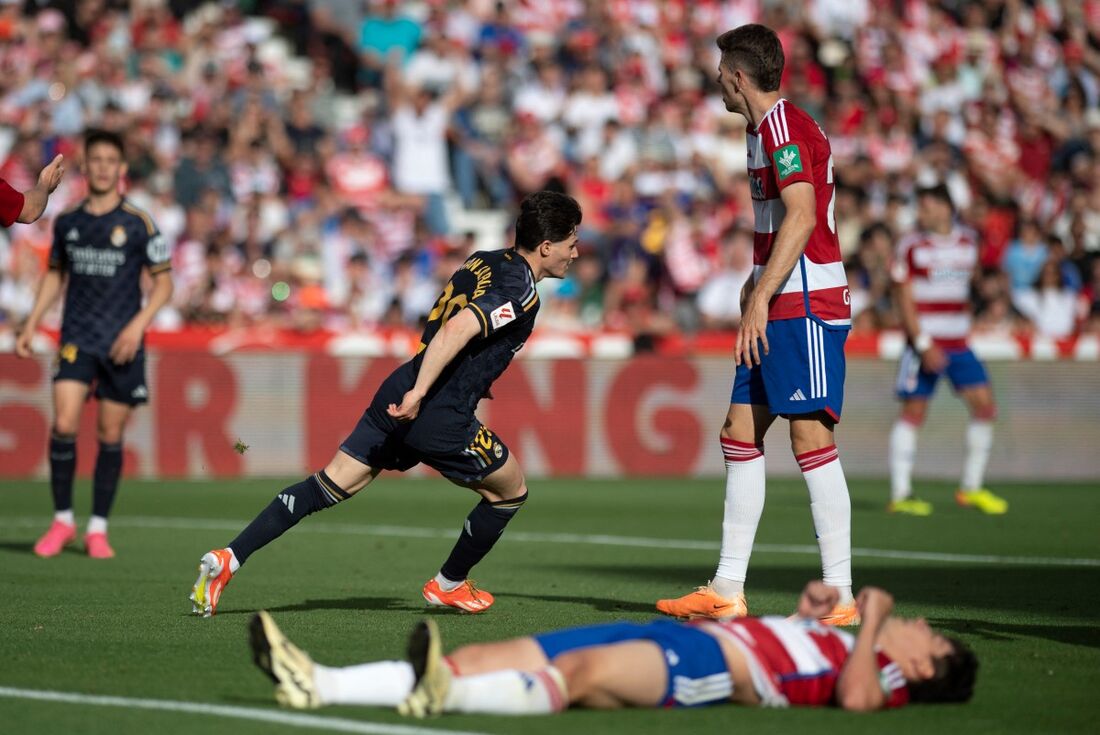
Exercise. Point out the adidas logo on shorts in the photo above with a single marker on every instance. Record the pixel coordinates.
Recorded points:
(798, 395)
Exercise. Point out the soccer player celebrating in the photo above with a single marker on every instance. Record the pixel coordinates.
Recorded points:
(424, 411)
(28, 206)
(932, 274)
(99, 251)
(764, 662)
(790, 349)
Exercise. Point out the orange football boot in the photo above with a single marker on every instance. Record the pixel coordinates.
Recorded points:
(465, 597)
(704, 603)
(214, 575)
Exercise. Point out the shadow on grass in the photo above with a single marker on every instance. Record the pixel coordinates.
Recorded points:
(346, 603)
(1031, 590)
(596, 603)
(1074, 635)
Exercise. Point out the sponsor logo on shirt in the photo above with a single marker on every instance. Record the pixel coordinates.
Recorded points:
(502, 315)
(787, 161)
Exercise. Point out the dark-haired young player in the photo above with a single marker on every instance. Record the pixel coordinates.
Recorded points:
(790, 349)
(424, 411)
(755, 661)
(100, 248)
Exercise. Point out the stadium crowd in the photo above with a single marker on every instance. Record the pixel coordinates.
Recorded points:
(310, 160)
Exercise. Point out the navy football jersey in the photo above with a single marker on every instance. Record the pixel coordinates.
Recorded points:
(103, 256)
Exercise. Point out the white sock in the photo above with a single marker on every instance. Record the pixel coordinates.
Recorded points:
(903, 448)
(832, 512)
(65, 516)
(979, 440)
(447, 584)
(377, 684)
(741, 515)
(97, 524)
(234, 565)
(509, 692)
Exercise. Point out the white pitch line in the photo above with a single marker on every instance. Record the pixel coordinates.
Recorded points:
(333, 724)
(361, 529)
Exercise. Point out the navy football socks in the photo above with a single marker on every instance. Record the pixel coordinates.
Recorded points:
(483, 527)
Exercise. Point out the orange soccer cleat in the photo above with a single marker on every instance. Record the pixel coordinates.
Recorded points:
(55, 539)
(214, 575)
(97, 547)
(704, 603)
(465, 597)
(842, 616)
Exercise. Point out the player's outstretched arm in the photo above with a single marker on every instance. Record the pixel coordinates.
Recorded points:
(128, 341)
(858, 687)
(790, 243)
(34, 200)
(444, 347)
(48, 291)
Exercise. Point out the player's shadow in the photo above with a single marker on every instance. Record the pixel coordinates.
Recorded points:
(1064, 592)
(346, 603)
(600, 604)
(17, 547)
(1074, 635)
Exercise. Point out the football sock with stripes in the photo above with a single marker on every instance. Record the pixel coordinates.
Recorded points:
(483, 527)
(979, 440)
(831, 508)
(312, 494)
(509, 692)
(741, 516)
(108, 468)
(903, 450)
(62, 469)
(377, 684)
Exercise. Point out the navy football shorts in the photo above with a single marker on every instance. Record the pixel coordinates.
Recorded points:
(118, 383)
(697, 671)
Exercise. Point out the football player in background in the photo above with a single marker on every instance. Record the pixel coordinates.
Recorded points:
(932, 273)
(424, 411)
(754, 661)
(100, 249)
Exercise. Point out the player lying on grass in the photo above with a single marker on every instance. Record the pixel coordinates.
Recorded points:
(424, 411)
(757, 661)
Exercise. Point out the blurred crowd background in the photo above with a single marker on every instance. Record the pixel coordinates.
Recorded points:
(328, 164)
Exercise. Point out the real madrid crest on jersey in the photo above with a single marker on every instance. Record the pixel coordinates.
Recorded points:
(118, 236)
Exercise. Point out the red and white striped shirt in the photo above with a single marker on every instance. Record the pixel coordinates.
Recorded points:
(938, 269)
(787, 147)
(797, 661)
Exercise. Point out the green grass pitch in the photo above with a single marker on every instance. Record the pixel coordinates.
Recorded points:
(345, 584)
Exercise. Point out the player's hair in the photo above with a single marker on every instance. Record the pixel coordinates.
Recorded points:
(546, 215)
(93, 137)
(937, 191)
(755, 50)
(953, 680)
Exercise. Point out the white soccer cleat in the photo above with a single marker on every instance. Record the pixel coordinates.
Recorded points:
(433, 676)
(288, 666)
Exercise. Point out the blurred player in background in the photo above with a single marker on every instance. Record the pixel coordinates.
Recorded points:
(764, 662)
(100, 249)
(28, 206)
(932, 273)
(424, 411)
(790, 349)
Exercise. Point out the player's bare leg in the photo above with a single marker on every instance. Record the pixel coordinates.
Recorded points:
(814, 446)
(742, 439)
(979, 441)
(903, 450)
(503, 493)
(342, 477)
(110, 425)
(68, 403)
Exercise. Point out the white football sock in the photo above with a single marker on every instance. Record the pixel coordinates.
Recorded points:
(509, 692)
(979, 440)
(903, 449)
(377, 684)
(97, 524)
(741, 515)
(65, 516)
(447, 584)
(831, 508)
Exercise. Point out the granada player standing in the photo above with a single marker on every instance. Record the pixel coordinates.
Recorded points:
(790, 350)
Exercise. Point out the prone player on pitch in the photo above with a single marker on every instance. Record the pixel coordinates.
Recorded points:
(765, 661)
